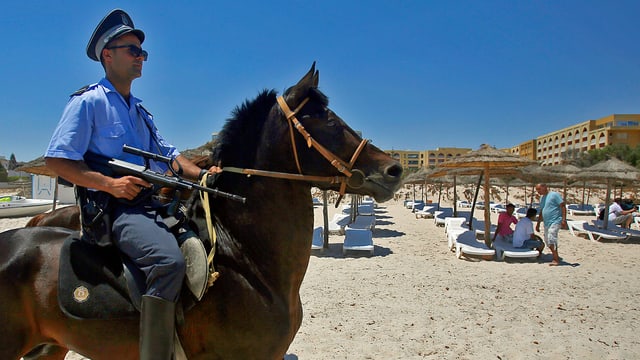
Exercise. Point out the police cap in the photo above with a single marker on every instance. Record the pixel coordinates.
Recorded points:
(114, 25)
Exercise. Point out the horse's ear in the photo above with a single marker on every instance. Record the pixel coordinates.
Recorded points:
(295, 94)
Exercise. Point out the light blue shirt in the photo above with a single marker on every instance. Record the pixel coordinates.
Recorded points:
(100, 121)
(551, 209)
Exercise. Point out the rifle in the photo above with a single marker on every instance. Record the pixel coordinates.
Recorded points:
(173, 181)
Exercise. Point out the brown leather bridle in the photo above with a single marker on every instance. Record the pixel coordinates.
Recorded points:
(353, 177)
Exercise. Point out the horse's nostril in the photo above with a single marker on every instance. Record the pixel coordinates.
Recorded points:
(393, 171)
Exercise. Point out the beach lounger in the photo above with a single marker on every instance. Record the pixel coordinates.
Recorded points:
(440, 215)
(357, 240)
(466, 244)
(366, 209)
(577, 228)
(478, 227)
(578, 210)
(367, 222)
(317, 243)
(425, 213)
(505, 249)
(337, 224)
(616, 228)
(453, 227)
(453, 222)
(452, 234)
(413, 204)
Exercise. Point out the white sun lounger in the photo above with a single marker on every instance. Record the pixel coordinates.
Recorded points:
(426, 212)
(466, 244)
(453, 222)
(367, 222)
(317, 242)
(337, 224)
(616, 228)
(357, 240)
(452, 235)
(575, 209)
(577, 228)
(440, 215)
(505, 249)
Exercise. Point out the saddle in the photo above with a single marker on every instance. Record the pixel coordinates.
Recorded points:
(97, 282)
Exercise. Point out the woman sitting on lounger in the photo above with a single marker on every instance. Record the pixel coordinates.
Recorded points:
(524, 237)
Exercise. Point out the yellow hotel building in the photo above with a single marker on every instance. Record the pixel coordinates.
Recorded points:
(416, 159)
(547, 149)
(552, 148)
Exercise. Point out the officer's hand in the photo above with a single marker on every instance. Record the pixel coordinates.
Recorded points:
(212, 170)
(127, 187)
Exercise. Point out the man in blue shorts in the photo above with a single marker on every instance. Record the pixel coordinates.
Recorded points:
(554, 214)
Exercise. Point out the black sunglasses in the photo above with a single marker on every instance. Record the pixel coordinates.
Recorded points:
(133, 50)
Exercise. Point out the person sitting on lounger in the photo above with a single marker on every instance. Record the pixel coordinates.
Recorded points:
(524, 237)
(619, 216)
(505, 219)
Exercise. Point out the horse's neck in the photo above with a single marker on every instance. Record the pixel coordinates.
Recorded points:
(272, 231)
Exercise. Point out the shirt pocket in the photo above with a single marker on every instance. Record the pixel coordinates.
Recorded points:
(111, 131)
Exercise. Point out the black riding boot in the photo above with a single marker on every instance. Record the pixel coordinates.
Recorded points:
(157, 327)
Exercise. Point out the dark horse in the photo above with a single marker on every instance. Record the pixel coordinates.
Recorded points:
(253, 311)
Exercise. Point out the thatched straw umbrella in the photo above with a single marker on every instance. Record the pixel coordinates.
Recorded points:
(466, 175)
(490, 161)
(609, 172)
(564, 172)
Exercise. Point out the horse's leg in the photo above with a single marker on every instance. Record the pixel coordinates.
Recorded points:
(46, 352)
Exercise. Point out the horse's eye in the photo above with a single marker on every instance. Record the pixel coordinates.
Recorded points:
(306, 116)
(331, 122)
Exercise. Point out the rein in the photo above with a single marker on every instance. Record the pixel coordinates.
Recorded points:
(341, 165)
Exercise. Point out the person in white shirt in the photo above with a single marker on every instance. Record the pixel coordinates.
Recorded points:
(524, 237)
(619, 216)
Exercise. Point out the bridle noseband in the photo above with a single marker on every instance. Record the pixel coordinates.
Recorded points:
(353, 177)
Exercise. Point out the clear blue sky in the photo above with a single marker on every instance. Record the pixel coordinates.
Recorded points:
(408, 74)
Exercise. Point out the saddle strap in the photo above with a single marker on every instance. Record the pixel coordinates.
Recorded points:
(204, 197)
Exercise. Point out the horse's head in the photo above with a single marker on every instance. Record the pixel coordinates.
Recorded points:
(324, 145)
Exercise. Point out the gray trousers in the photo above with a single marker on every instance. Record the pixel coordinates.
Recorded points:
(142, 236)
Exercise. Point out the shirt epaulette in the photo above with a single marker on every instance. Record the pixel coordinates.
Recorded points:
(82, 90)
(145, 110)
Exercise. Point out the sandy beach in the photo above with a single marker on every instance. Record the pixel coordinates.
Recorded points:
(413, 299)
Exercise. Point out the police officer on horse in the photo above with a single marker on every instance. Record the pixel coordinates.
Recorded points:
(98, 120)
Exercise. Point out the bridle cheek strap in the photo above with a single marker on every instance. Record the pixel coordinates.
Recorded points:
(339, 164)
(342, 166)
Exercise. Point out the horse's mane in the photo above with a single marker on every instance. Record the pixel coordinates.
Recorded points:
(243, 128)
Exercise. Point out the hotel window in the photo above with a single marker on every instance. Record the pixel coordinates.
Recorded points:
(622, 136)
